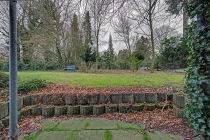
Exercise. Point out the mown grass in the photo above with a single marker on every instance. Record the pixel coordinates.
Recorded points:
(105, 80)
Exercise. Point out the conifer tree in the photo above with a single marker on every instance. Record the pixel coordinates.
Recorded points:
(75, 38)
(87, 29)
(110, 52)
(88, 54)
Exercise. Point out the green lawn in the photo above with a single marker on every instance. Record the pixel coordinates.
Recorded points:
(104, 80)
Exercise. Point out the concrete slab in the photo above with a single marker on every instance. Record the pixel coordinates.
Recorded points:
(89, 135)
(54, 135)
(95, 124)
(126, 135)
(74, 124)
(161, 136)
(96, 129)
(49, 124)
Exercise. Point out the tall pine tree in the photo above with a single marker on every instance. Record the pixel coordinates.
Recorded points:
(110, 52)
(75, 38)
(87, 29)
(88, 54)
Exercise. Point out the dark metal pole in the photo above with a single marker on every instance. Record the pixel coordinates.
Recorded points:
(13, 111)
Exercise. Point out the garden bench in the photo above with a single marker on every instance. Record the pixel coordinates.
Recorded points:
(72, 68)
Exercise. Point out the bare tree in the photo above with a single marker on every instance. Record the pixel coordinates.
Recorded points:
(123, 27)
(4, 24)
(4, 20)
(148, 13)
(4, 34)
(162, 32)
(99, 10)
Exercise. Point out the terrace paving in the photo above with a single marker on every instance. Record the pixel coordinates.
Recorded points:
(95, 129)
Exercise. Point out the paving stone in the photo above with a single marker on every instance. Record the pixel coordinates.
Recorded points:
(127, 126)
(74, 124)
(94, 129)
(126, 135)
(161, 136)
(48, 124)
(89, 135)
(97, 123)
(54, 135)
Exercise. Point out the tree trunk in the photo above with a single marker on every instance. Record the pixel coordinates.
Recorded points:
(58, 51)
(185, 20)
(97, 46)
(152, 41)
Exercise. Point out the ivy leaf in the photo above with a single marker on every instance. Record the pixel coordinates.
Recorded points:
(201, 121)
(208, 34)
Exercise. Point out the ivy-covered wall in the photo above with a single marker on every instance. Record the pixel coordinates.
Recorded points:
(198, 73)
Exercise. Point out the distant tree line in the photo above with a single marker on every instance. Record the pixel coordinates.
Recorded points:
(71, 32)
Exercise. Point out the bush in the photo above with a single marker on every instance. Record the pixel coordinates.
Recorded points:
(37, 65)
(22, 66)
(51, 65)
(32, 85)
(4, 80)
(4, 66)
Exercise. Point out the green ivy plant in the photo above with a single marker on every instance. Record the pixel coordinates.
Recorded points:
(197, 111)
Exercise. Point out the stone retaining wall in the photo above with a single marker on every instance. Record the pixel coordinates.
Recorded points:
(90, 104)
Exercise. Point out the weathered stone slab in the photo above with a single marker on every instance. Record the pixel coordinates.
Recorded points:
(98, 110)
(36, 111)
(179, 100)
(27, 100)
(111, 108)
(104, 98)
(58, 99)
(124, 108)
(82, 99)
(161, 97)
(54, 135)
(73, 110)
(60, 110)
(178, 112)
(150, 107)
(89, 135)
(93, 99)
(138, 107)
(26, 112)
(139, 98)
(5, 121)
(48, 111)
(34, 100)
(128, 98)
(116, 98)
(70, 99)
(86, 110)
(20, 103)
(151, 97)
(4, 110)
